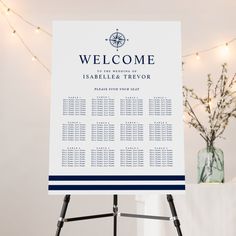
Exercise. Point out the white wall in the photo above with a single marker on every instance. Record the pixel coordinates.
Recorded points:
(26, 209)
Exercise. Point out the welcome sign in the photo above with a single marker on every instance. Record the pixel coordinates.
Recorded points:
(116, 108)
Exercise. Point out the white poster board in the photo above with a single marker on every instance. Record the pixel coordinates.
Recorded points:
(116, 108)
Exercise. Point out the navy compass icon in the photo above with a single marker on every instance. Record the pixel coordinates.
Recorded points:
(117, 39)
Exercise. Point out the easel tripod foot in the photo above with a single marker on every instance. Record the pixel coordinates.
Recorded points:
(115, 215)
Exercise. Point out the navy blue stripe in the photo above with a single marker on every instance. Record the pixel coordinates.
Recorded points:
(116, 177)
(114, 187)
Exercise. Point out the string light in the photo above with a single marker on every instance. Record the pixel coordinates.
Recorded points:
(38, 29)
(14, 32)
(197, 56)
(224, 51)
(8, 10)
(34, 58)
(226, 46)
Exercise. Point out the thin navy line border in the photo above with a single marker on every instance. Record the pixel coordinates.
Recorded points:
(116, 178)
(114, 187)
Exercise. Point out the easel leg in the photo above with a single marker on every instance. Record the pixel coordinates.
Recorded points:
(60, 222)
(174, 214)
(115, 211)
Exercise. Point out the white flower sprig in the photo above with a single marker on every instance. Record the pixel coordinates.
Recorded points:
(218, 114)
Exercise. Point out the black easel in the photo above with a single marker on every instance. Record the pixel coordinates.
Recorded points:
(115, 214)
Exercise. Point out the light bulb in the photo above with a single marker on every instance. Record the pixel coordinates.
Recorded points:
(34, 58)
(224, 50)
(8, 11)
(226, 47)
(37, 30)
(197, 56)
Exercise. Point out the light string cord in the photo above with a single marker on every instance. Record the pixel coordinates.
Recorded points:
(24, 44)
(8, 9)
(38, 28)
(210, 49)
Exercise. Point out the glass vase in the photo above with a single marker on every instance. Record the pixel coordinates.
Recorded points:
(210, 165)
